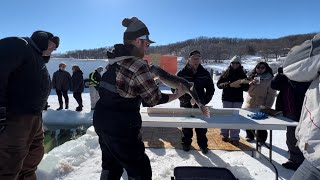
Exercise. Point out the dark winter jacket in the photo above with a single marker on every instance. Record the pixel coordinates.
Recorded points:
(77, 84)
(24, 78)
(61, 80)
(229, 93)
(115, 114)
(202, 82)
(94, 78)
(290, 97)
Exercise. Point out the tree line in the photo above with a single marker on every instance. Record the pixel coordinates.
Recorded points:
(211, 48)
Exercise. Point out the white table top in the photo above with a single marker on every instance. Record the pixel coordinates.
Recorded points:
(225, 118)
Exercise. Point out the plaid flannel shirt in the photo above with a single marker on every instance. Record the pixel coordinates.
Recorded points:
(135, 79)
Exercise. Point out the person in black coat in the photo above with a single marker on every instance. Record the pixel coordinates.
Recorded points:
(289, 101)
(24, 90)
(232, 94)
(77, 85)
(194, 72)
(61, 81)
(47, 104)
(116, 118)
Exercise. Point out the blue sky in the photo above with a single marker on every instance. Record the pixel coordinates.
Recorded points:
(87, 24)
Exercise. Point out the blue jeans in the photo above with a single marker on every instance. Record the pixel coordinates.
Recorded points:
(306, 171)
(234, 133)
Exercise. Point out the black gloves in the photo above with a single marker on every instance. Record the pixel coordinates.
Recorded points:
(3, 123)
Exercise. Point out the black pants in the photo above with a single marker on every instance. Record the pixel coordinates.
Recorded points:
(261, 135)
(126, 152)
(77, 96)
(65, 95)
(295, 155)
(201, 136)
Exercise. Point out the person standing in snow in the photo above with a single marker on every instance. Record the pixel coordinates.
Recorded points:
(302, 64)
(47, 104)
(77, 85)
(24, 90)
(61, 81)
(116, 119)
(194, 72)
(289, 101)
(232, 94)
(94, 80)
(260, 94)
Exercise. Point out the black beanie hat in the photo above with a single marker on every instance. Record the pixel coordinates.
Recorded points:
(135, 29)
(56, 40)
(40, 38)
(195, 52)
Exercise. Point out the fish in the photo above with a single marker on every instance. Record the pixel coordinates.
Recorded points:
(173, 81)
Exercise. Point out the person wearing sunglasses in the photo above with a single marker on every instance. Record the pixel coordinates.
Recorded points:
(196, 73)
(260, 93)
(116, 119)
(24, 90)
(231, 83)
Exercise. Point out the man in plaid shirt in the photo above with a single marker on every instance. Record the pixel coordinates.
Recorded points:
(125, 84)
(134, 79)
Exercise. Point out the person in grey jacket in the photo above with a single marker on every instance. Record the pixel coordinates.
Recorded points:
(303, 64)
(61, 81)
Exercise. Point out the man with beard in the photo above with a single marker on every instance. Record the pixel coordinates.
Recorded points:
(117, 121)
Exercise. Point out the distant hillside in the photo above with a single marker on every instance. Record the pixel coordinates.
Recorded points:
(211, 48)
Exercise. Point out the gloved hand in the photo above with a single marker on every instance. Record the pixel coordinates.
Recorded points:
(3, 123)
(258, 115)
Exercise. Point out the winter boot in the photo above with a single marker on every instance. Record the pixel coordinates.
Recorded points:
(235, 142)
(60, 107)
(204, 150)
(186, 147)
(67, 106)
(79, 108)
(225, 139)
(291, 165)
(46, 106)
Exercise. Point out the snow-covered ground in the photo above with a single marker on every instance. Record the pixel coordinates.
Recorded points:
(81, 158)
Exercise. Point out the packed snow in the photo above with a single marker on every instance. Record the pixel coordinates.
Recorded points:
(81, 158)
